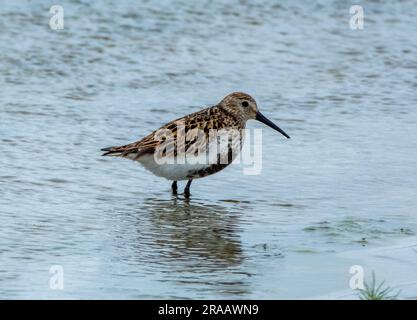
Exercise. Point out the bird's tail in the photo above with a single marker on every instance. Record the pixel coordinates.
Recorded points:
(113, 151)
(128, 150)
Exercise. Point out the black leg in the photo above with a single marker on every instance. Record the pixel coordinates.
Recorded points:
(187, 188)
(174, 187)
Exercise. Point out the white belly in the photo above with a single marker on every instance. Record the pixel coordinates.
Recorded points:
(181, 169)
(170, 171)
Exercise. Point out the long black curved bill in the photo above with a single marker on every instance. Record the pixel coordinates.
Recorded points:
(260, 117)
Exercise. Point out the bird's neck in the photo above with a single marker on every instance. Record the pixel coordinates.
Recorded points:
(238, 117)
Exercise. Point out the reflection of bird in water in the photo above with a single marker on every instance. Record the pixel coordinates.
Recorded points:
(180, 243)
(193, 235)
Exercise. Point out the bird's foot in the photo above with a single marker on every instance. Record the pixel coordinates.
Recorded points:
(174, 188)
(187, 189)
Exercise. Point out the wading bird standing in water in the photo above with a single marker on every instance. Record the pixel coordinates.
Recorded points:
(229, 115)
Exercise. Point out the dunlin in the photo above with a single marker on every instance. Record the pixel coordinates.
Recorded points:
(229, 115)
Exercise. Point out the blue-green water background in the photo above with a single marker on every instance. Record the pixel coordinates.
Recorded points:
(119, 69)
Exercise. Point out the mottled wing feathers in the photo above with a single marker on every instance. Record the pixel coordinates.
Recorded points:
(214, 117)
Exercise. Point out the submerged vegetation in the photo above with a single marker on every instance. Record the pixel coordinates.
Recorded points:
(374, 291)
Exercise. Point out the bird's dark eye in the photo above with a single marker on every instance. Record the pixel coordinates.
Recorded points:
(245, 104)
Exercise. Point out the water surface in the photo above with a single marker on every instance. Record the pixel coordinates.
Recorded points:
(345, 181)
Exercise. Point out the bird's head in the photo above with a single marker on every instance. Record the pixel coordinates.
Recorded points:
(245, 108)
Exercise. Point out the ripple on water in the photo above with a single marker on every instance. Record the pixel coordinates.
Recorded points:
(346, 178)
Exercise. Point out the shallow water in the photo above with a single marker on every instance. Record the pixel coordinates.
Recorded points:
(345, 181)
